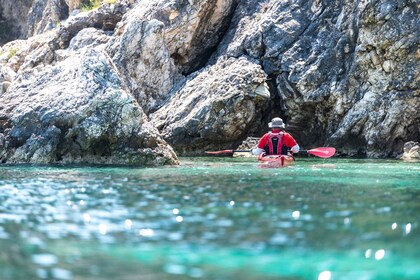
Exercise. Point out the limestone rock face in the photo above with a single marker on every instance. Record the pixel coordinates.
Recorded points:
(210, 73)
(26, 57)
(215, 108)
(77, 111)
(158, 41)
(344, 73)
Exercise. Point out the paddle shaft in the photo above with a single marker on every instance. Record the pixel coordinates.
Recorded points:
(324, 152)
(248, 151)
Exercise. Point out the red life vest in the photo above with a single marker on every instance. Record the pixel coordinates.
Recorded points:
(274, 143)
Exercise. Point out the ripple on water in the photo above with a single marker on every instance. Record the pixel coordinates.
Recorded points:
(216, 212)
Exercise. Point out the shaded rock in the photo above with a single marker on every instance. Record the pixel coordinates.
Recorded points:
(411, 151)
(215, 108)
(22, 19)
(343, 73)
(78, 112)
(2, 140)
(158, 41)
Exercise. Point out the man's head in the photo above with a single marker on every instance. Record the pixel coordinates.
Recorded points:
(276, 123)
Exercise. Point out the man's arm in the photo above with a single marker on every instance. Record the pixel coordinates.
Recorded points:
(290, 142)
(260, 147)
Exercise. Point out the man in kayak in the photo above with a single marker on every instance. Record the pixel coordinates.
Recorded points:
(277, 141)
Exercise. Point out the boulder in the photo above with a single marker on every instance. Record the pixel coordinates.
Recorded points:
(78, 111)
(158, 42)
(411, 151)
(215, 108)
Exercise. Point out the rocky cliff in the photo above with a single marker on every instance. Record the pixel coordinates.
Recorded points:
(128, 82)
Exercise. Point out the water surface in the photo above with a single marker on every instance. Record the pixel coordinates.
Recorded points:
(212, 218)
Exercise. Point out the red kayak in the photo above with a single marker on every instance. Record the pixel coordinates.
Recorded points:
(275, 160)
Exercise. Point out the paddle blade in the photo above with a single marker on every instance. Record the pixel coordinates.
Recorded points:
(323, 152)
(219, 152)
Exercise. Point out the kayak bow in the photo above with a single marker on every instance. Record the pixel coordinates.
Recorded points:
(275, 160)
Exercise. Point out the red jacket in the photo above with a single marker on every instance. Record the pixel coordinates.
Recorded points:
(285, 139)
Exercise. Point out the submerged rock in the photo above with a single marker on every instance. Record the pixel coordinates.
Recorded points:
(78, 111)
(215, 108)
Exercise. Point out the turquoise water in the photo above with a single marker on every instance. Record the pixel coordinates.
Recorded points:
(212, 218)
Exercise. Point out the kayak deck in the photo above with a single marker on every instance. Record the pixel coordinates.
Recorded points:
(275, 160)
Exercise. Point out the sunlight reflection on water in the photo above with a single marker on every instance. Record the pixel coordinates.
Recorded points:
(205, 218)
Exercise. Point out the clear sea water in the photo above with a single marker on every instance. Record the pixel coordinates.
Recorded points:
(212, 218)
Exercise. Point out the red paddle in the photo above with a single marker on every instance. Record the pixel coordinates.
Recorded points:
(227, 152)
(323, 152)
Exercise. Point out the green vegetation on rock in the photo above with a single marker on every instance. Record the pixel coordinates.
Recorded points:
(88, 5)
(11, 53)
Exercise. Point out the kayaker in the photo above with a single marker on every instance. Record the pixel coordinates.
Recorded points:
(277, 141)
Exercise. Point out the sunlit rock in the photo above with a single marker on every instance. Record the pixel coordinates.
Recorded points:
(248, 144)
(159, 41)
(411, 150)
(78, 111)
(22, 56)
(215, 108)
(342, 74)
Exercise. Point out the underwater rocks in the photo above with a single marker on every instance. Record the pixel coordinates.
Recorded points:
(78, 111)
(215, 108)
